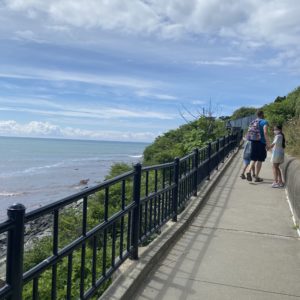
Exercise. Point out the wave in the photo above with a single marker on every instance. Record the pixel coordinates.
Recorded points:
(11, 194)
(70, 163)
(32, 170)
(39, 169)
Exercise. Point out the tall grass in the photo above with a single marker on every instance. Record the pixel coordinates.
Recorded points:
(292, 133)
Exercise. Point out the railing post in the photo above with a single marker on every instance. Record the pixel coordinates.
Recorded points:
(15, 251)
(234, 141)
(196, 163)
(176, 189)
(223, 152)
(240, 138)
(231, 143)
(208, 157)
(227, 146)
(218, 152)
(136, 211)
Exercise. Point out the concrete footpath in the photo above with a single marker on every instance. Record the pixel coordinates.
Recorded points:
(242, 245)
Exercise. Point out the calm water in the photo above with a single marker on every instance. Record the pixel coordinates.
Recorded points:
(36, 172)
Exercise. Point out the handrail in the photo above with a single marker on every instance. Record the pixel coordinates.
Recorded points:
(148, 198)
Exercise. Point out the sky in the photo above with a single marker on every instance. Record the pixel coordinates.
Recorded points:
(132, 70)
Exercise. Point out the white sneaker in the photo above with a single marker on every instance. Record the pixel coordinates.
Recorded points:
(275, 185)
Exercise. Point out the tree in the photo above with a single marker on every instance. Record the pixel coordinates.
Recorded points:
(279, 99)
(243, 112)
(179, 142)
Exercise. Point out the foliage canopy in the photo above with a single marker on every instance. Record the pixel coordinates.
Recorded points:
(181, 141)
(243, 112)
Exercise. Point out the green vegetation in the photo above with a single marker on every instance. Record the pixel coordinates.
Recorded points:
(181, 141)
(70, 228)
(42, 251)
(243, 112)
(285, 111)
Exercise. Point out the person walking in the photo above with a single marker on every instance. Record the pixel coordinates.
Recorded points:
(246, 159)
(258, 135)
(277, 157)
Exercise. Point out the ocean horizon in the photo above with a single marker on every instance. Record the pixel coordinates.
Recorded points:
(38, 171)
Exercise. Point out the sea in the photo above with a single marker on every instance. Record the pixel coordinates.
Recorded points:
(39, 171)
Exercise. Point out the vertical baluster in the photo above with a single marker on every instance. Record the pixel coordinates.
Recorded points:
(163, 207)
(162, 202)
(141, 216)
(196, 162)
(83, 247)
(186, 179)
(146, 204)
(191, 165)
(129, 231)
(136, 211)
(222, 150)
(176, 189)
(35, 288)
(170, 192)
(180, 191)
(94, 260)
(105, 231)
(155, 198)
(159, 208)
(122, 219)
(69, 276)
(218, 154)
(55, 251)
(208, 161)
(183, 180)
(113, 246)
(151, 214)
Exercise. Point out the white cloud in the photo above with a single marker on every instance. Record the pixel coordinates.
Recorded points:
(198, 102)
(105, 113)
(214, 62)
(46, 129)
(33, 128)
(152, 95)
(224, 61)
(90, 78)
(246, 25)
(89, 111)
(254, 22)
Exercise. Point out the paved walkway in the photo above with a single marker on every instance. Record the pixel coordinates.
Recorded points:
(242, 245)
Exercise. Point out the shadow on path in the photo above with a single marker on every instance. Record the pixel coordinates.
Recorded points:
(238, 247)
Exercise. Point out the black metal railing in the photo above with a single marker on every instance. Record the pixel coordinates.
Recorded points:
(143, 200)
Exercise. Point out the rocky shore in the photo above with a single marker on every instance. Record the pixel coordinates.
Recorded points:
(34, 231)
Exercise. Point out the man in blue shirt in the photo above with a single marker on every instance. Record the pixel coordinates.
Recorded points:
(259, 148)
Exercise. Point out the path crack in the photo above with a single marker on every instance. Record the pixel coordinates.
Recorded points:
(248, 232)
(240, 287)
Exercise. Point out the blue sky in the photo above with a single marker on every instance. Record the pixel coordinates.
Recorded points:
(127, 70)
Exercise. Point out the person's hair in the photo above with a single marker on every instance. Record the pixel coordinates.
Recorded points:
(279, 127)
(260, 114)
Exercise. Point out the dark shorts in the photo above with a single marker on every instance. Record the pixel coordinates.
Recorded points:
(258, 151)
